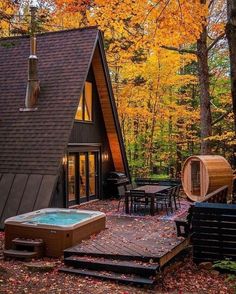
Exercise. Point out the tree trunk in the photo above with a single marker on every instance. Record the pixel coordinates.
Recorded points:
(230, 31)
(205, 109)
(231, 36)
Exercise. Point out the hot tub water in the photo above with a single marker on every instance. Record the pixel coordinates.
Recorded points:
(59, 218)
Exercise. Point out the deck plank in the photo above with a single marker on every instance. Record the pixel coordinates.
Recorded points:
(133, 240)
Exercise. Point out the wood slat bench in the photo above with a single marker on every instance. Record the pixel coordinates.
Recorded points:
(183, 225)
(217, 196)
(213, 232)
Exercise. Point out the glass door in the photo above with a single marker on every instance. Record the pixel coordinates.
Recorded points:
(71, 179)
(93, 174)
(83, 177)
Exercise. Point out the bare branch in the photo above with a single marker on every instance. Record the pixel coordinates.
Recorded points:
(221, 36)
(5, 16)
(150, 10)
(222, 116)
(208, 36)
(210, 3)
(189, 51)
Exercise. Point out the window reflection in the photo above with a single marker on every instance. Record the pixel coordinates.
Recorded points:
(71, 177)
(84, 110)
(79, 112)
(82, 176)
(92, 174)
(82, 167)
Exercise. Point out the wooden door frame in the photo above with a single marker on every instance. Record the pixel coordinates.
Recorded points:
(74, 148)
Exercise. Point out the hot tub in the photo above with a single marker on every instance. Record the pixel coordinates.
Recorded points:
(58, 228)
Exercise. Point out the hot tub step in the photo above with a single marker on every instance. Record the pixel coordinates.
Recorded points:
(125, 267)
(110, 276)
(12, 253)
(30, 245)
(28, 242)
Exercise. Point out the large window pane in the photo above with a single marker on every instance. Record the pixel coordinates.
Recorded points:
(92, 174)
(71, 177)
(79, 112)
(88, 101)
(84, 110)
(82, 174)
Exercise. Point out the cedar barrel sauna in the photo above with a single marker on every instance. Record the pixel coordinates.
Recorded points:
(203, 174)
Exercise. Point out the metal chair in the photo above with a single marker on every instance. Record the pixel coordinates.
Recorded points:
(121, 192)
(128, 187)
(165, 200)
(131, 186)
(138, 198)
(176, 196)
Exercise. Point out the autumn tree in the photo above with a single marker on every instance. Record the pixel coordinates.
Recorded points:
(231, 36)
(7, 10)
(159, 93)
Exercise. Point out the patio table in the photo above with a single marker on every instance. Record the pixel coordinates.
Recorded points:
(150, 191)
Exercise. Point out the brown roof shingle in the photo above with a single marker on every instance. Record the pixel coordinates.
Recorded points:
(34, 142)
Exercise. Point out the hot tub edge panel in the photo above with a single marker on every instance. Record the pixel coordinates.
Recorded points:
(55, 240)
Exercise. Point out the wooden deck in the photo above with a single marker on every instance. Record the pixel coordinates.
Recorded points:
(133, 239)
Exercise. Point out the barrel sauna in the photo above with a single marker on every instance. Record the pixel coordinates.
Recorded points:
(204, 174)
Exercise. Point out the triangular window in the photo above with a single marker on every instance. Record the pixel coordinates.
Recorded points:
(84, 110)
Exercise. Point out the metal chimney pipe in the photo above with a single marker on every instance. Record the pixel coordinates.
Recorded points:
(32, 91)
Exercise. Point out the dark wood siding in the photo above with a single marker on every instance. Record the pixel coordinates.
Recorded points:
(94, 132)
(22, 193)
(59, 199)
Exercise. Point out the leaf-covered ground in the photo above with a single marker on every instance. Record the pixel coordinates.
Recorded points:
(181, 277)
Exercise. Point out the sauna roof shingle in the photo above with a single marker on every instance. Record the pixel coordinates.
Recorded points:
(34, 142)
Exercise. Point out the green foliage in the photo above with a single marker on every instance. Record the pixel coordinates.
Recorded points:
(226, 264)
(229, 266)
(160, 177)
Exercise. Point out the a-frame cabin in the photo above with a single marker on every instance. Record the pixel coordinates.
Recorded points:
(58, 153)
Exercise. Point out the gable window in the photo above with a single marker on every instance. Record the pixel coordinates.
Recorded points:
(84, 110)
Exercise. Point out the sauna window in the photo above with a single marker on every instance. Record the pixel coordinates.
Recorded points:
(84, 110)
(195, 178)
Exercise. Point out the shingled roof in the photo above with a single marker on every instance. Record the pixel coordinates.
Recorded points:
(33, 143)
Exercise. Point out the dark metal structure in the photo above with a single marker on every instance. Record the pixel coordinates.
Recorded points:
(213, 232)
(115, 180)
(41, 149)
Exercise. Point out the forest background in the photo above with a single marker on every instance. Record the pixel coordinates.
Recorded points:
(170, 68)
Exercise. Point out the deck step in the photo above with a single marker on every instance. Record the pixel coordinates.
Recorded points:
(125, 267)
(12, 253)
(71, 251)
(110, 276)
(27, 242)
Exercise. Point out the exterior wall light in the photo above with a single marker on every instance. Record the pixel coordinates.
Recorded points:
(64, 159)
(105, 156)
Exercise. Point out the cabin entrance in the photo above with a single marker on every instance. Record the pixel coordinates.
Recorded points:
(82, 179)
(195, 178)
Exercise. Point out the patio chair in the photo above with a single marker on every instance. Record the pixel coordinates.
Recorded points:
(130, 187)
(176, 196)
(121, 192)
(134, 185)
(138, 199)
(165, 200)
